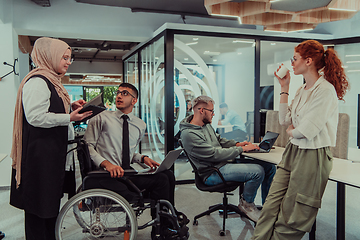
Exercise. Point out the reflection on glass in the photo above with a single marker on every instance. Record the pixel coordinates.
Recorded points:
(222, 68)
(350, 57)
(132, 76)
(152, 99)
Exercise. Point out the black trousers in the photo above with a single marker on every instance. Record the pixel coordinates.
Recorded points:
(37, 228)
(158, 186)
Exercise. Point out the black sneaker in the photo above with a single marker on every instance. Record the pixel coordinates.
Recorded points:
(169, 234)
(182, 219)
(2, 235)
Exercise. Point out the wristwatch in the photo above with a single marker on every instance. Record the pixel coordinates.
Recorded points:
(143, 157)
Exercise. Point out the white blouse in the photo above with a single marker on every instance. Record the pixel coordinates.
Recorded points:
(314, 115)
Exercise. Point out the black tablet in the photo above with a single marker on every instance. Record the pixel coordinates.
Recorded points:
(95, 109)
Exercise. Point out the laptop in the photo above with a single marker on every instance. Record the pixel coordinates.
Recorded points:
(166, 164)
(267, 143)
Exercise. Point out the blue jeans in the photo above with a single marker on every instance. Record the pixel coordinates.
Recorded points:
(252, 172)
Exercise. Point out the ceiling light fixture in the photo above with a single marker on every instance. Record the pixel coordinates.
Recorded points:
(211, 53)
(301, 30)
(242, 41)
(355, 55)
(343, 9)
(191, 43)
(195, 39)
(352, 61)
(223, 15)
(272, 30)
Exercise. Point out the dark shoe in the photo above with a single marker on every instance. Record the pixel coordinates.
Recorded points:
(2, 235)
(169, 234)
(182, 219)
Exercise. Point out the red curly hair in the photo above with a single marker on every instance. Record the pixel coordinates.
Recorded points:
(333, 71)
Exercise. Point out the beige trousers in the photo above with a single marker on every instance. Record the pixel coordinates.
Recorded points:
(295, 195)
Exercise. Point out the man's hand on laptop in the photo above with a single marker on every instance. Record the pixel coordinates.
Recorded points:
(250, 147)
(151, 163)
(114, 170)
(241, 144)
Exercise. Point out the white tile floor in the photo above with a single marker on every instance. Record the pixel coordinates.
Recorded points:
(191, 201)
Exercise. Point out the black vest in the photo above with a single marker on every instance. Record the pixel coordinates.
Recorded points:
(42, 164)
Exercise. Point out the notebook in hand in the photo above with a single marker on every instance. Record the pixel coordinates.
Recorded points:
(166, 164)
(95, 105)
(267, 143)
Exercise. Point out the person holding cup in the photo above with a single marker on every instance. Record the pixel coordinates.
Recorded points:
(291, 206)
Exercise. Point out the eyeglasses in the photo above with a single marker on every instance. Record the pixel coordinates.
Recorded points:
(124, 93)
(68, 59)
(293, 59)
(212, 111)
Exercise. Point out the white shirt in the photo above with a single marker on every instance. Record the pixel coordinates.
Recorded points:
(36, 103)
(231, 117)
(314, 115)
(104, 135)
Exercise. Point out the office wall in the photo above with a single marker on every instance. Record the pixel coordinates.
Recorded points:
(239, 81)
(8, 90)
(6, 11)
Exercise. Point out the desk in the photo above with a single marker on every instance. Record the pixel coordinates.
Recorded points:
(224, 128)
(344, 172)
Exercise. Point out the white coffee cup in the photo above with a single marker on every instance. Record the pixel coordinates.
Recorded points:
(282, 71)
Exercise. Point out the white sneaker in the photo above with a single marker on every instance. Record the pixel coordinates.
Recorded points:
(249, 209)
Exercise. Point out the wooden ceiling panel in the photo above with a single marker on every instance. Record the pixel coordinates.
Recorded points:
(260, 12)
(267, 19)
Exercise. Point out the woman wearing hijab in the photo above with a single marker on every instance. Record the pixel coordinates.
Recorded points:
(42, 120)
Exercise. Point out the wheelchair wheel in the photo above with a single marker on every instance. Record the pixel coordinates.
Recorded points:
(96, 213)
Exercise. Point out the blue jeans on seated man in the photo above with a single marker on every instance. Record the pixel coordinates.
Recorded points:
(250, 171)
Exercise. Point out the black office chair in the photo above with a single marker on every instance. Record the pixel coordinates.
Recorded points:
(225, 188)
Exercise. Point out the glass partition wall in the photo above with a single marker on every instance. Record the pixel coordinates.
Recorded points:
(273, 54)
(178, 65)
(350, 57)
(153, 99)
(131, 75)
(219, 67)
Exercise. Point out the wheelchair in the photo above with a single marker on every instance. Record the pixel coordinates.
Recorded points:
(104, 214)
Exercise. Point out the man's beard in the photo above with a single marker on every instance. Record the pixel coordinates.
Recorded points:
(206, 121)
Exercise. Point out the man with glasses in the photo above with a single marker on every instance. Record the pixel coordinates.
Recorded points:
(206, 148)
(105, 134)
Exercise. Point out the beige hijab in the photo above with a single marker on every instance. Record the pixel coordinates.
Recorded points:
(46, 55)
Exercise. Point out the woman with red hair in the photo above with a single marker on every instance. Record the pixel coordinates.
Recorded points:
(295, 195)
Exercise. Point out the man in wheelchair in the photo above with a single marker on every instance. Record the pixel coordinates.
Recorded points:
(113, 138)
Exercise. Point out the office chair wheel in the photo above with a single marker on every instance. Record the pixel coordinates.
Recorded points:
(222, 233)
(96, 213)
(195, 222)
